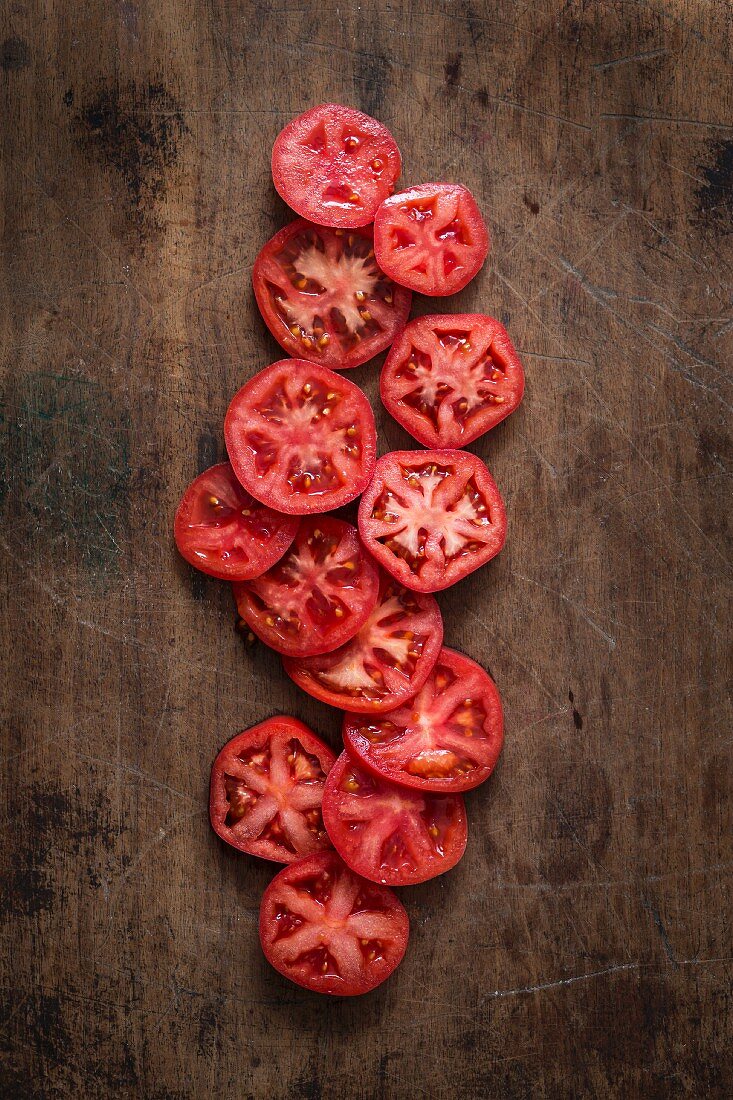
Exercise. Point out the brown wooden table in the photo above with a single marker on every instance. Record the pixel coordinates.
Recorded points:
(583, 947)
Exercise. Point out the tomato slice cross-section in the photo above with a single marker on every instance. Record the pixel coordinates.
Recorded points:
(329, 930)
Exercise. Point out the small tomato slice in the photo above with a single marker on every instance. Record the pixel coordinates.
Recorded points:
(384, 664)
(317, 596)
(431, 238)
(432, 517)
(323, 296)
(300, 438)
(266, 790)
(389, 833)
(448, 738)
(329, 930)
(450, 378)
(334, 165)
(222, 530)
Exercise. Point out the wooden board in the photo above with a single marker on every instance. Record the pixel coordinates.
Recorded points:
(583, 946)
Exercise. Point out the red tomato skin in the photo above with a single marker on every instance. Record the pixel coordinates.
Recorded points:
(452, 434)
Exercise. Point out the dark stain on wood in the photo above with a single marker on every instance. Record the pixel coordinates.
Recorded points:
(14, 54)
(715, 196)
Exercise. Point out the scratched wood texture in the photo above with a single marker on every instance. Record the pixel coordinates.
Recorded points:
(583, 946)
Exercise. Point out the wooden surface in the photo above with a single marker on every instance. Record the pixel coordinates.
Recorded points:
(583, 947)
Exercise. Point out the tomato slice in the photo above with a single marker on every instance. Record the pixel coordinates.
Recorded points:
(431, 238)
(335, 165)
(266, 790)
(300, 438)
(323, 296)
(432, 517)
(450, 378)
(222, 530)
(448, 738)
(327, 929)
(389, 833)
(384, 664)
(317, 596)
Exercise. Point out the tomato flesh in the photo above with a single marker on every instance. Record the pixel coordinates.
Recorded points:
(300, 438)
(323, 296)
(431, 238)
(266, 789)
(450, 378)
(317, 596)
(335, 165)
(384, 664)
(327, 929)
(432, 517)
(448, 738)
(222, 530)
(389, 833)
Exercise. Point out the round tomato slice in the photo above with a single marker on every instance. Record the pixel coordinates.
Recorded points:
(384, 664)
(327, 929)
(323, 296)
(432, 517)
(335, 165)
(431, 238)
(448, 738)
(449, 378)
(317, 596)
(391, 834)
(300, 438)
(266, 790)
(222, 530)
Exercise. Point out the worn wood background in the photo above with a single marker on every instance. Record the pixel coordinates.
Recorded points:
(583, 947)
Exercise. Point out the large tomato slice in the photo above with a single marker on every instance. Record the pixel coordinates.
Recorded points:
(448, 738)
(327, 929)
(449, 378)
(431, 238)
(323, 296)
(432, 517)
(225, 532)
(389, 833)
(317, 596)
(266, 790)
(301, 438)
(335, 165)
(384, 664)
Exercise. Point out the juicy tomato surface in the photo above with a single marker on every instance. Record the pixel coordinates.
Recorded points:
(323, 296)
(335, 165)
(448, 738)
(388, 833)
(327, 929)
(449, 378)
(300, 438)
(384, 664)
(432, 517)
(266, 790)
(317, 596)
(222, 530)
(431, 238)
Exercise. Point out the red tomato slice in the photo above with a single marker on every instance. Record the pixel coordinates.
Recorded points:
(327, 929)
(300, 438)
(432, 517)
(324, 298)
(317, 596)
(225, 532)
(448, 738)
(391, 834)
(266, 790)
(431, 238)
(335, 165)
(449, 378)
(384, 664)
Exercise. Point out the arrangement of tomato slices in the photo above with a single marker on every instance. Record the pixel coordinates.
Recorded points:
(350, 610)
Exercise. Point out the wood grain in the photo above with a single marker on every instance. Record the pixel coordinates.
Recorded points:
(583, 946)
